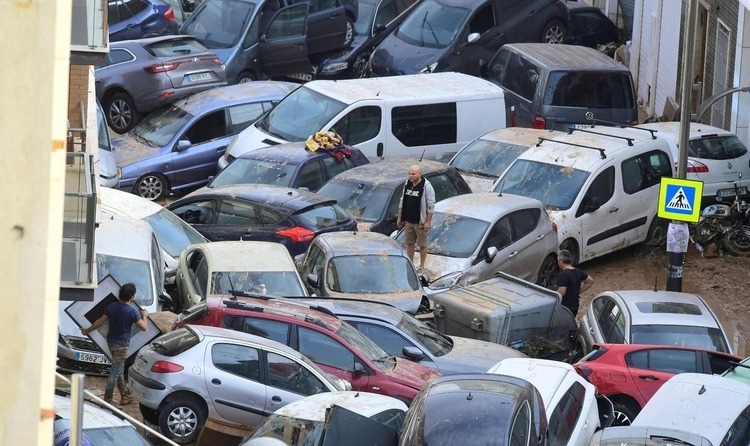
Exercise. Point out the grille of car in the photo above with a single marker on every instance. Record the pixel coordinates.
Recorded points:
(82, 344)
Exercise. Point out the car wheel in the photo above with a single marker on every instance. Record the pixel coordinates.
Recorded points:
(548, 272)
(149, 415)
(553, 32)
(182, 419)
(349, 36)
(245, 77)
(572, 246)
(152, 186)
(624, 414)
(121, 113)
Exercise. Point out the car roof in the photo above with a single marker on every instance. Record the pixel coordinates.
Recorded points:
(521, 136)
(238, 255)
(671, 130)
(360, 243)
(280, 308)
(580, 6)
(122, 236)
(314, 407)
(566, 57)
(370, 309)
(282, 197)
(505, 384)
(125, 203)
(664, 314)
(235, 94)
(94, 416)
(207, 331)
(292, 153)
(390, 172)
(149, 40)
(485, 205)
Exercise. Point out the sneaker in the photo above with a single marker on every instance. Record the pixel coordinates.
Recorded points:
(126, 399)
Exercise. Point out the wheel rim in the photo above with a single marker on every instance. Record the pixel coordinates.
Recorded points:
(349, 33)
(548, 273)
(245, 80)
(621, 419)
(740, 239)
(150, 187)
(554, 35)
(120, 114)
(182, 422)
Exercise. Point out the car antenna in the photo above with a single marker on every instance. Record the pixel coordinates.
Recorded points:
(231, 289)
(502, 186)
(422, 155)
(656, 281)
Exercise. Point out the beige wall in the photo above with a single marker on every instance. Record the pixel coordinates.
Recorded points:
(33, 127)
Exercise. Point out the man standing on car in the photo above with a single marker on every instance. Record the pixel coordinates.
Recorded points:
(121, 317)
(415, 213)
(571, 281)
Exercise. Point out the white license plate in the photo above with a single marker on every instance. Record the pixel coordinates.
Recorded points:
(139, 365)
(723, 193)
(92, 357)
(199, 77)
(581, 126)
(301, 76)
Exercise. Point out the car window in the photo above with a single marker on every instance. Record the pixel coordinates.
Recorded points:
(241, 116)
(483, 20)
(717, 147)
(442, 185)
(175, 47)
(276, 330)
(607, 318)
(708, 338)
(335, 166)
(290, 22)
(487, 157)
(323, 349)
(585, 22)
(253, 33)
(353, 274)
(393, 418)
(118, 55)
(498, 68)
(520, 431)
(564, 417)
(323, 216)
(207, 128)
(739, 432)
(289, 375)
(499, 236)
(387, 11)
(252, 170)
(388, 339)
(120, 10)
(124, 270)
(664, 360)
(310, 176)
(197, 212)
(523, 222)
(238, 360)
(617, 336)
(645, 170)
(600, 191)
(440, 27)
(520, 76)
(589, 89)
(269, 217)
(359, 125)
(719, 363)
(598, 305)
(426, 124)
(220, 23)
(316, 5)
(237, 213)
(453, 235)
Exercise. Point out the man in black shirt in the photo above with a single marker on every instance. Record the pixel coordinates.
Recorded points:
(571, 282)
(415, 213)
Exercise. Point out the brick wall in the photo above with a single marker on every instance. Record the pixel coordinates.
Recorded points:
(79, 87)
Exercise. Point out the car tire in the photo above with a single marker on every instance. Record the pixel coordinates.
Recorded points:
(246, 77)
(572, 246)
(149, 415)
(152, 186)
(547, 276)
(554, 32)
(182, 419)
(349, 35)
(121, 113)
(624, 413)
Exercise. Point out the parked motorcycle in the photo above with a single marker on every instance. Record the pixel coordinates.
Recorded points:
(726, 226)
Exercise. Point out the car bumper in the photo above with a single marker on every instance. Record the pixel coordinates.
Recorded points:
(87, 359)
(150, 393)
(166, 96)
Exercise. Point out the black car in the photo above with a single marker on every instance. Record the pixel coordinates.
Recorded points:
(588, 26)
(455, 35)
(290, 165)
(476, 408)
(375, 21)
(372, 192)
(292, 217)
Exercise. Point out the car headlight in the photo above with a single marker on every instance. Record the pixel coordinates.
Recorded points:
(334, 67)
(429, 68)
(447, 281)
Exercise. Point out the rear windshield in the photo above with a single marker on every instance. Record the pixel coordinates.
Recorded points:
(323, 216)
(220, 23)
(249, 170)
(725, 147)
(687, 336)
(175, 342)
(363, 201)
(171, 48)
(589, 89)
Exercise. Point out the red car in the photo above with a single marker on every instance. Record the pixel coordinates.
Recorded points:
(629, 374)
(331, 343)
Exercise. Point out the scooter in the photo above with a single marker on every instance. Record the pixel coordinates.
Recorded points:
(726, 226)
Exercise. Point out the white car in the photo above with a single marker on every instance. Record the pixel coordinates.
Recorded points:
(230, 267)
(573, 409)
(715, 156)
(475, 235)
(100, 425)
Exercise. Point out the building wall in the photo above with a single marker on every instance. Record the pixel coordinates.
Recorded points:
(727, 11)
(78, 95)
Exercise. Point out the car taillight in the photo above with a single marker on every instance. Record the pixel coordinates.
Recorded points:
(166, 367)
(554, 228)
(169, 15)
(297, 234)
(584, 371)
(539, 122)
(215, 60)
(161, 67)
(696, 167)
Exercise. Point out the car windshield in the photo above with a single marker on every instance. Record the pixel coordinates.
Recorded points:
(687, 336)
(589, 89)
(173, 233)
(555, 186)
(304, 432)
(356, 274)
(158, 128)
(323, 216)
(115, 436)
(453, 235)
(487, 158)
(435, 342)
(368, 348)
(276, 283)
(433, 24)
(717, 147)
(220, 23)
(250, 170)
(301, 114)
(363, 24)
(365, 202)
(125, 270)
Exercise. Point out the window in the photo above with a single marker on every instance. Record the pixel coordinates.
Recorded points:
(483, 20)
(644, 171)
(290, 22)
(739, 432)
(359, 125)
(499, 236)
(600, 192)
(275, 330)
(117, 55)
(598, 305)
(390, 341)
(198, 212)
(393, 418)
(524, 221)
(428, 124)
(289, 375)
(520, 76)
(310, 176)
(589, 89)
(717, 148)
(207, 128)
(617, 336)
(442, 185)
(664, 360)
(336, 167)
(269, 217)
(563, 420)
(241, 116)
(121, 10)
(236, 359)
(251, 38)
(325, 350)
(608, 318)
(521, 430)
(236, 213)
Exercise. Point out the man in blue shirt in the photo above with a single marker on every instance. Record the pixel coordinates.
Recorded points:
(121, 317)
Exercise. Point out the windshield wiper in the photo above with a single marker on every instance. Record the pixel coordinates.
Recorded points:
(425, 22)
(669, 439)
(143, 140)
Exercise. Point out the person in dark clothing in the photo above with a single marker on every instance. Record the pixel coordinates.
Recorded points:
(121, 317)
(415, 213)
(571, 281)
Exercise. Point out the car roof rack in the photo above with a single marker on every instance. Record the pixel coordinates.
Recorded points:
(573, 129)
(599, 149)
(248, 306)
(623, 126)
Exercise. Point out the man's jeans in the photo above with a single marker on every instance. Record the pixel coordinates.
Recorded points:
(119, 355)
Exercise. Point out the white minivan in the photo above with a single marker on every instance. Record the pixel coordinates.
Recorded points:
(421, 115)
(599, 185)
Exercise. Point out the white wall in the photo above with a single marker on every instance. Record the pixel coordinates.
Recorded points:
(741, 101)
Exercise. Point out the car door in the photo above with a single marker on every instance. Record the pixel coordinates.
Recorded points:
(326, 25)
(236, 220)
(234, 382)
(488, 25)
(566, 424)
(390, 340)
(283, 46)
(289, 380)
(610, 324)
(500, 237)
(314, 264)
(192, 278)
(198, 149)
(598, 215)
(199, 214)
(650, 368)
(310, 176)
(530, 241)
(332, 356)
(520, 80)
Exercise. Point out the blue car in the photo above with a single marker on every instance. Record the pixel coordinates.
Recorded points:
(177, 147)
(135, 19)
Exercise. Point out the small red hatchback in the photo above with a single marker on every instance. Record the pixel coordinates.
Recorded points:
(630, 374)
(331, 343)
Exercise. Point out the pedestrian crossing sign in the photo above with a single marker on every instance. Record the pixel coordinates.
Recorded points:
(680, 199)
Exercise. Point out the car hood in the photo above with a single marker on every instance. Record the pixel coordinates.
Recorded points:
(128, 151)
(438, 266)
(408, 301)
(411, 374)
(394, 57)
(347, 54)
(472, 355)
(478, 183)
(251, 139)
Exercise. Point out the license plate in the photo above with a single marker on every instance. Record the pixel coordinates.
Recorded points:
(301, 76)
(199, 77)
(581, 126)
(140, 365)
(92, 357)
(724, 193)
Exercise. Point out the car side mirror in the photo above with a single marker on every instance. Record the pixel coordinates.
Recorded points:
(312, 280)
(359, 369)
(491, 253)
(378, 28)
(413, 353)
(183, 145)
(473, 37)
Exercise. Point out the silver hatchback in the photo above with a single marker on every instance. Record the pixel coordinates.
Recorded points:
(196, 372)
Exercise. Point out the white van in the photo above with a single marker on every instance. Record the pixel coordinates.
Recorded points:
(600, 186)
(435, 114)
